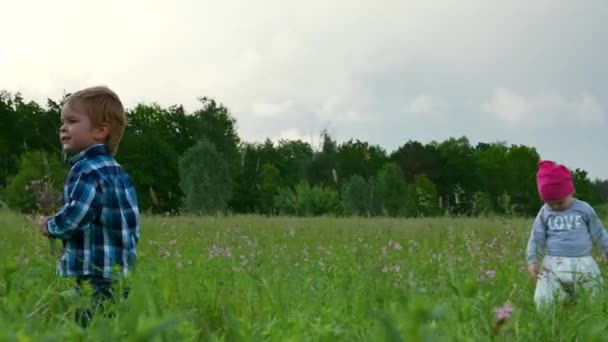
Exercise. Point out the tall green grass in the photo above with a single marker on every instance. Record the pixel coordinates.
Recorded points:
(299, 279)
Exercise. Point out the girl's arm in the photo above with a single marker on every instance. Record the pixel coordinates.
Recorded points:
(597, 231)
(537, 241)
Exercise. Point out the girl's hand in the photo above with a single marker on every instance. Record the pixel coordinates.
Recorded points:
(533, 270)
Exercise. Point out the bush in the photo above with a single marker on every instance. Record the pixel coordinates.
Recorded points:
(34, 166)
(307, 201)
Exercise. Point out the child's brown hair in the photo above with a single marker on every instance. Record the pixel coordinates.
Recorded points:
(102, 105)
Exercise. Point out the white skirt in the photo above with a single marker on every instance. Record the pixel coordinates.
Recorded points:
(563, 277)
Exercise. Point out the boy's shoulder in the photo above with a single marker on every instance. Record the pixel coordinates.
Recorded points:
(95, 163)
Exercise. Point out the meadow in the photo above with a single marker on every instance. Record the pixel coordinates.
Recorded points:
(255, 278)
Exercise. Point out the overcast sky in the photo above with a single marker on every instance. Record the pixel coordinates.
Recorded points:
(384, 71)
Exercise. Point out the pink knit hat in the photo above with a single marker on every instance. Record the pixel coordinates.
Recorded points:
(554, 181)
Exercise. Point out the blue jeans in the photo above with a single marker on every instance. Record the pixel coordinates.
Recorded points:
(102, 295)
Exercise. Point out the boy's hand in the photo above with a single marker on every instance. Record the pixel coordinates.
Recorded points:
(42, 225)
(533, 270)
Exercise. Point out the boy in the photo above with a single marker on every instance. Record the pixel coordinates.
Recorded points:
(99, 220)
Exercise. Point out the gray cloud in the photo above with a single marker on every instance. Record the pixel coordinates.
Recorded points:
(525, 72)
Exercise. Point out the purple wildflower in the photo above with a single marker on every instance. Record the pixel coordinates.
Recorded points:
(503, 313)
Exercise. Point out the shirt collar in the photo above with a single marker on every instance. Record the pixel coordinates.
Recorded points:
(90, 152)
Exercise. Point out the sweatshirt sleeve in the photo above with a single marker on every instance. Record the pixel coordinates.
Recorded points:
(596, 230)
(537, 241)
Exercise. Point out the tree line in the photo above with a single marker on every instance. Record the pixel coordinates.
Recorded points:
(196, 162)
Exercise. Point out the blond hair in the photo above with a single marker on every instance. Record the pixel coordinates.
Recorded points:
(102, 105)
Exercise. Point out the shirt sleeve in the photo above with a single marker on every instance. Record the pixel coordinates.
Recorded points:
(78, 209)
(537, 241)
(597, 231)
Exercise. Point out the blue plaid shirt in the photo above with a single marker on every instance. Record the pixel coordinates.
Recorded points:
(99, 220)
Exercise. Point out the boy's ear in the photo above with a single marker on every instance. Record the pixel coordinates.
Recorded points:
(102, 131)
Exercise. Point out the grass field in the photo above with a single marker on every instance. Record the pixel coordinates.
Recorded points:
(299, 279)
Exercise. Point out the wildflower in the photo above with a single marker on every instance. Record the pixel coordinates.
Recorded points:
(503, 313)
(164, 253)
(216, 251)
(490, 274)
(395, 245)
(48, 199)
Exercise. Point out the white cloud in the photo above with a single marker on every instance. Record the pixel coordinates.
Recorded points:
(508, 106)
(271, 110)
(426, 106)
(588, 109)
(421, 104)
(344, 111)
(292, 134)
(546, 108)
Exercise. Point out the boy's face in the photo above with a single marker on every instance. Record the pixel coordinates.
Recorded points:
(76, 132)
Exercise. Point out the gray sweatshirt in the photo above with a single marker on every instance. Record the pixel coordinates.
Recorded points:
(566, 233)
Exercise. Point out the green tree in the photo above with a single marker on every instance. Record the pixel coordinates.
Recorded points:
(458, 179)
(204, 179)
(293, 159)
(152, 164)
(584, 187)
(358, 158)
(356, 199)
(25, 126)
(269, 184)
(375, 200)
(286, 201)
(392, 189)
(491, 166)
(246, 196)
(176, 128)
(520, 178)
(414, 158)
(600, 188)
(422, 198)
(323, 169)
(215, 124)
